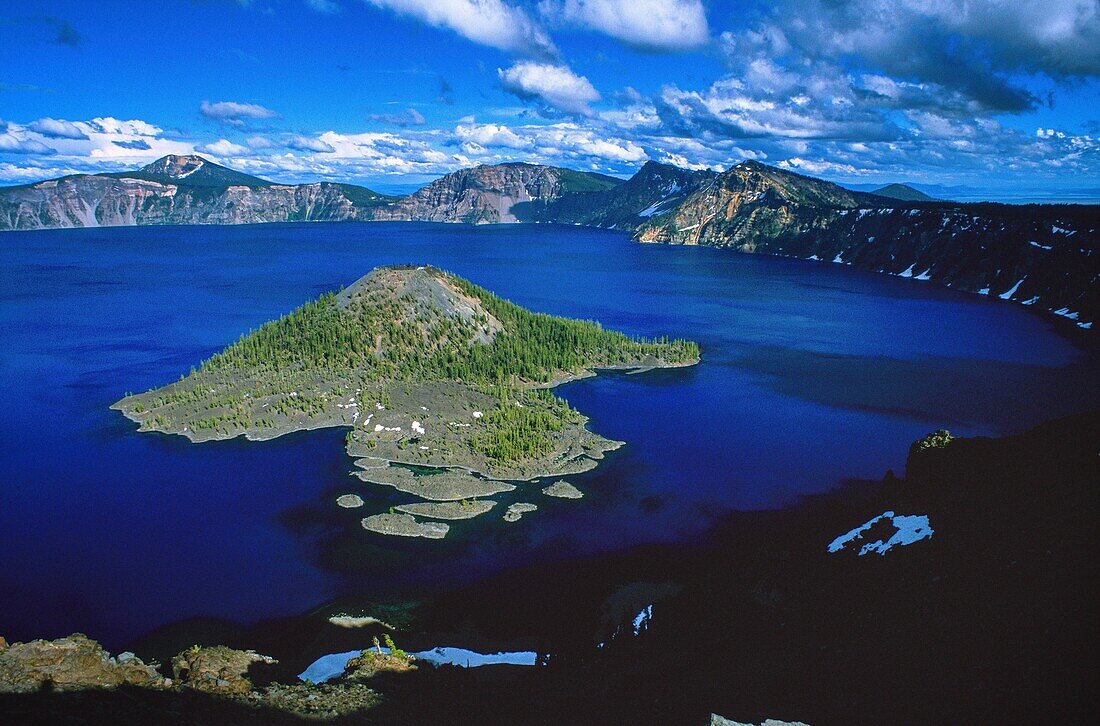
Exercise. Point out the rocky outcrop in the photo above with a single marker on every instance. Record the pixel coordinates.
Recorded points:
(71, 663)
(517, 510)
(487, 194)
(563, 490)
(1042, 255)
(217, 669)
(371, 663)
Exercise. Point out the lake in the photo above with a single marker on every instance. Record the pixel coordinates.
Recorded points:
(811, 374)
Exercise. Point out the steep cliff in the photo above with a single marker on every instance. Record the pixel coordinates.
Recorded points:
(1044, 255)
(655, 189)
(178, 190)
(487, 194)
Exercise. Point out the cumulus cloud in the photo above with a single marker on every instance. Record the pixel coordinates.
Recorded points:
(555, 86)
(12, 144)
(493, 23)
(131, 127)
(56, 129)
(973, 52)
(408, 117)
(489, 136)
(305, 143)
(234, 113)
(651, 25)
(223, 148)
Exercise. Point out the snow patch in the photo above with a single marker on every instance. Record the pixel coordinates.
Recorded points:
(333, 665)
(1007, 294)
(909, 528)
(641, 620)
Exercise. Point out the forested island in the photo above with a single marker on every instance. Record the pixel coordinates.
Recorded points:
(425, 369)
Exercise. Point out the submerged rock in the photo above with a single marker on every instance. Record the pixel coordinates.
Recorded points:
(563, 489)
(349, 501)
(71, 663)
(404, 525)
(217, 669)
(517, 510)
(463, 509)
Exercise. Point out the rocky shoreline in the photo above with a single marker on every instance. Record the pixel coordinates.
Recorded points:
(1001, 595)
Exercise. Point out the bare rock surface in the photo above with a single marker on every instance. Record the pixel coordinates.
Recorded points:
(517, 510)
(463, 509)
(447, 486)
(404, 525)
(563, 490)
(217, 669)
(72, 663)
(349, 501)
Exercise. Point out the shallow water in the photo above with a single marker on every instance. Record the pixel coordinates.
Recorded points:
(811, 373)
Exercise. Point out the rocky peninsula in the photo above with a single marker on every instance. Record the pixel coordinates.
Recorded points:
(443, 387)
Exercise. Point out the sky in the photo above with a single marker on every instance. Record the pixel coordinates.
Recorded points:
(996, 99)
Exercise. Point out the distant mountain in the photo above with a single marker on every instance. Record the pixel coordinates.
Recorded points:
(179, 190)
(1041, 255)
(191, 171)
(904, 192)
(1044, 255)
(488, 194)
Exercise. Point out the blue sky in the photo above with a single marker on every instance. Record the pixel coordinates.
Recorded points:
(988, 97)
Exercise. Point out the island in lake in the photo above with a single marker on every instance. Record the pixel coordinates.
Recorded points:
(443, 385)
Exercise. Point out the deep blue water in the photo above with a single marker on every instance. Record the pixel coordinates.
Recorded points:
(811, 373)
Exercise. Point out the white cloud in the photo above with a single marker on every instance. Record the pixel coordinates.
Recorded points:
(12, 144)
(305, 143)
(223, 147)
(133, 127)
(234, 113)
(652, 25)
(56, 129)
(490, 135)
(557, 86)
(486, 22)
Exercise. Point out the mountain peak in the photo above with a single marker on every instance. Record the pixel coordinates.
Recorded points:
(175, 166)
(193, 170)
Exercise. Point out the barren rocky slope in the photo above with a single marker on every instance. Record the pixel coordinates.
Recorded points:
(1042, 255)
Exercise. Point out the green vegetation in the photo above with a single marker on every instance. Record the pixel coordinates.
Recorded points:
(935, 440)
(344, 355)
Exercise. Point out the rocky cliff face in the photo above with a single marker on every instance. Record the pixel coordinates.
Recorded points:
(488, 194)
(1043, 255)
(655, 189)
(178, 190)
